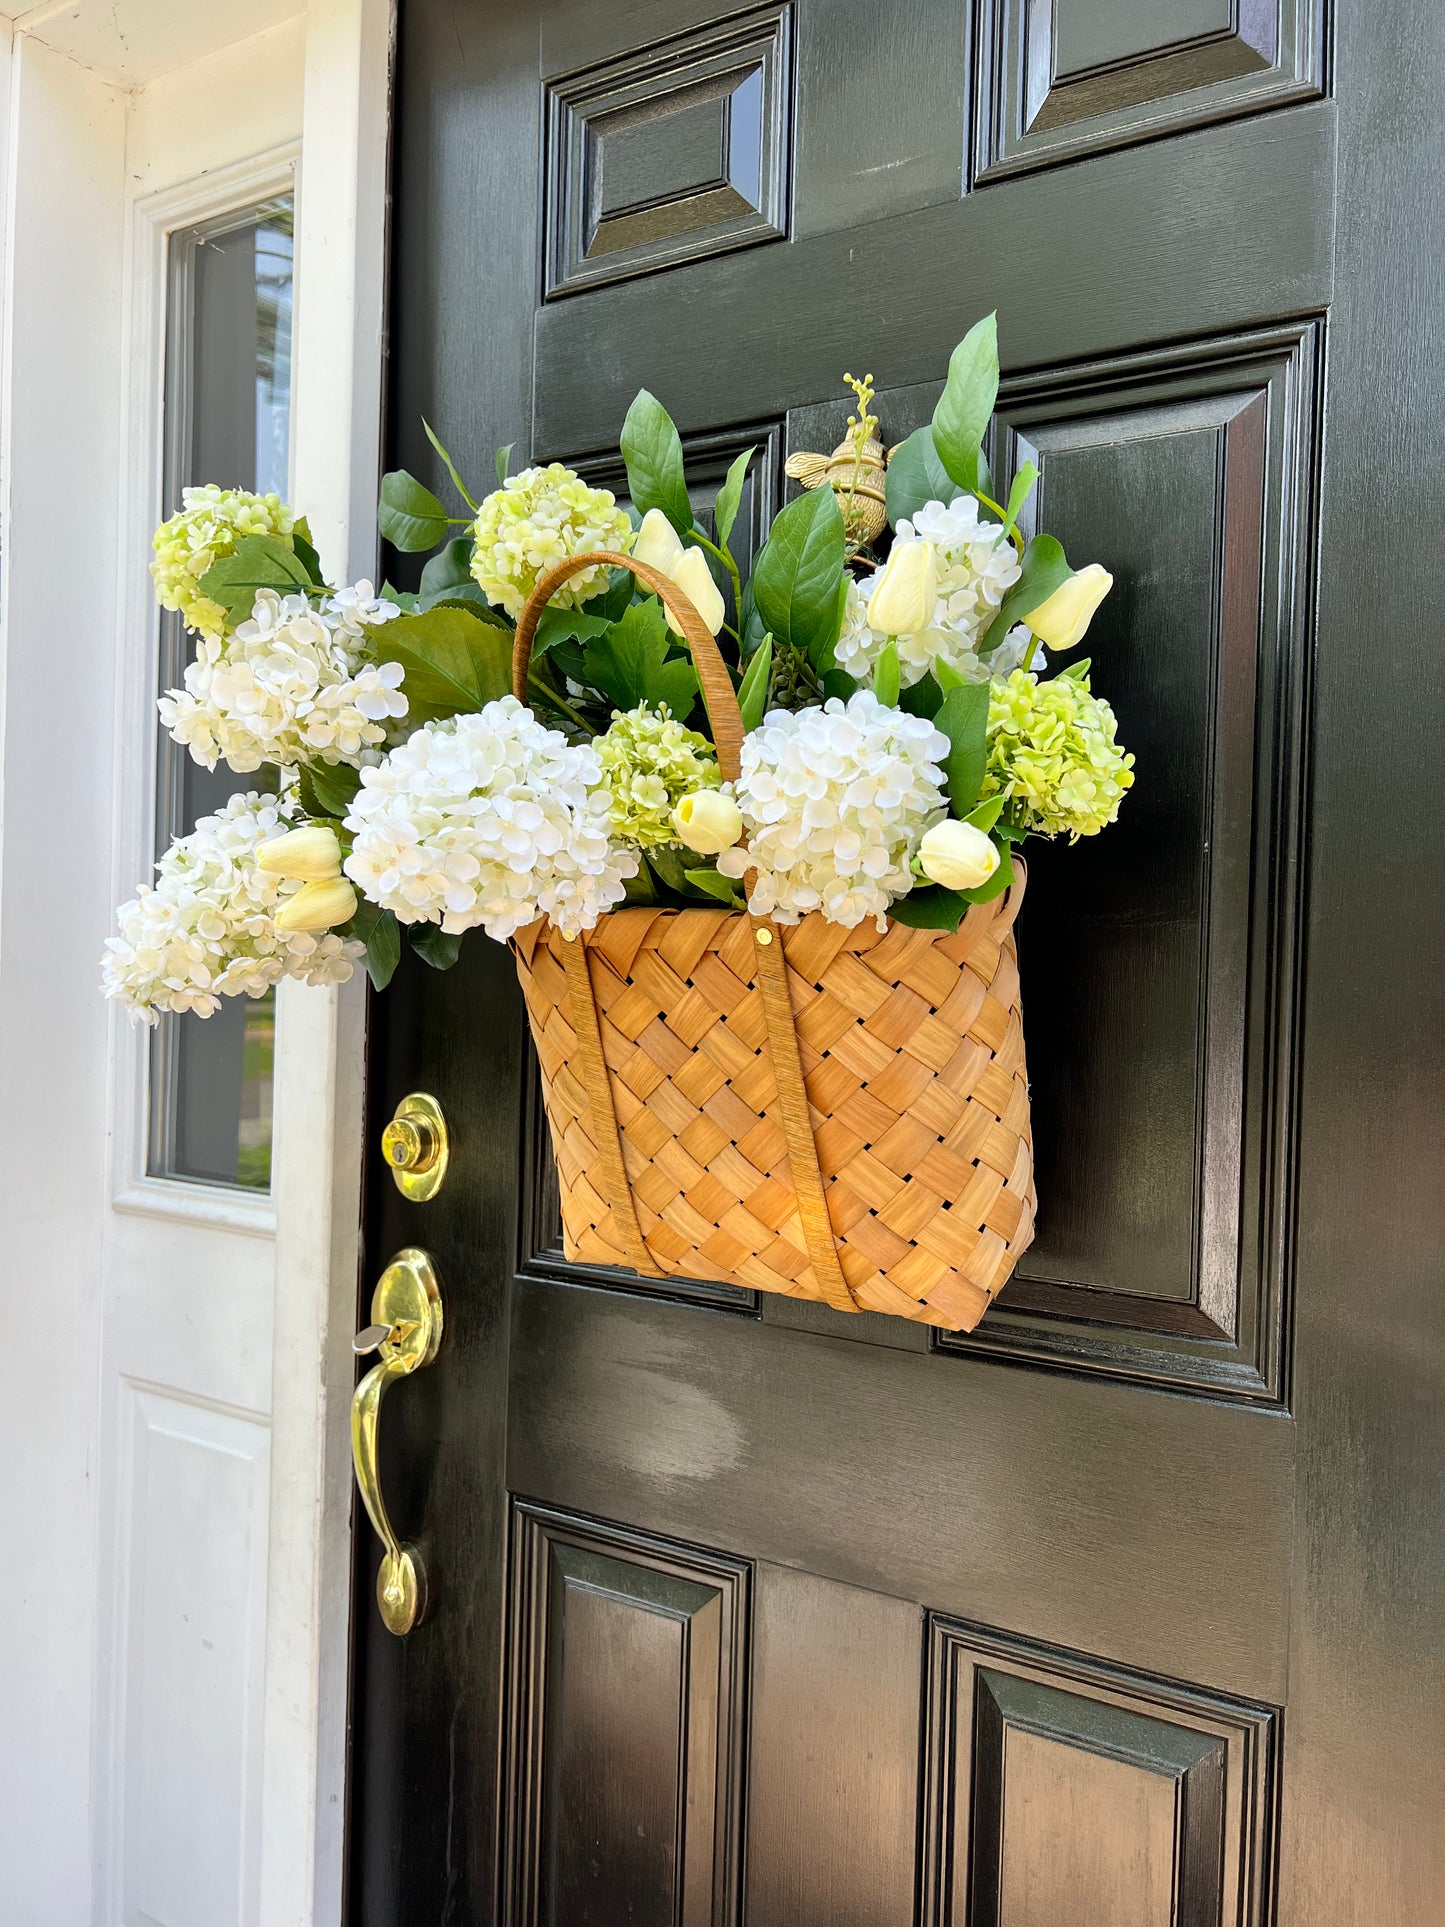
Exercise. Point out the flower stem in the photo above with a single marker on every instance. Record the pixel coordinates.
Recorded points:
(1002, 514)
(534, 681)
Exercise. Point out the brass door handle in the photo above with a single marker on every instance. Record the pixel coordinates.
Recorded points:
(406, 1331)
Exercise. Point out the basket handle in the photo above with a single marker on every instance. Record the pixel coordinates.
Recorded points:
(717, 685)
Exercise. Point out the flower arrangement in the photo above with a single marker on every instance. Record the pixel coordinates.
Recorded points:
(905, 730)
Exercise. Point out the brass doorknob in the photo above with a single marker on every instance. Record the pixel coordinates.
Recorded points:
(416, 1147)
(406, 1331)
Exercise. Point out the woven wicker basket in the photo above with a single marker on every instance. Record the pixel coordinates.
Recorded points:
(842, 1115)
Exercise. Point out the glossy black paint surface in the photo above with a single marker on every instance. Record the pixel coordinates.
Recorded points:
(1132, 1604)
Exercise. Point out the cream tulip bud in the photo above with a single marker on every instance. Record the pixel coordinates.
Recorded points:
(1060, 622)
(905, 593)
(694, 578)
(957, 855)
(708, 822)
(317, 906)
(312, 854)
(656, 542)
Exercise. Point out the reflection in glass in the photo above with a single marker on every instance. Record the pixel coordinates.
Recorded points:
(228, 420)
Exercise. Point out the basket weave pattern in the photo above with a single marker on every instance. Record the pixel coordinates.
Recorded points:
(913, 1060)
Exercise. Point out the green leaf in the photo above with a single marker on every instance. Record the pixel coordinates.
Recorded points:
(454, 660)
(886, 678)
(613, 602)
(257, 562)
(915, 475)
(457, 483)
(946, 676)
(332, 786)
(449, 574)
(963, 718)
(797, 580)
(983, 816)
(504, 456)
(567, 625)
(921, 698)
(403, 598)
(1078, 671)
(753, 695)
(668, 865)
(1023, 485)
(725, 509)
(408, 515)
(751, 627)
(1044, 569)
(378, 930)
(960, 421)
(837, 682)
(653, 454)
(713, 885)
(305, 551)
(435, 946)
(629, 662)
(930, 907)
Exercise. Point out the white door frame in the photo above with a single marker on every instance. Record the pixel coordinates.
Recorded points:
(80, 373)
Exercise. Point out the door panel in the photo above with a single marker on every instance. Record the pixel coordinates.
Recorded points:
(748, 1610)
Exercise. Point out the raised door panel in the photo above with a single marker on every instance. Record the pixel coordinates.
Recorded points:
(670, 153)
(627, 1684)
(1056, 79)
(1061, 1790)
(186, 1777)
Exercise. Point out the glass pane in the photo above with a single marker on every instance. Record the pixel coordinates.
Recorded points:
(228, 420)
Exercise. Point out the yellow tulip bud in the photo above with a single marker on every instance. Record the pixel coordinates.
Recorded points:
(656, 542)
(312, 854)
(317, 906)
(905, 593)
(708, 822)
(1060, 621)
(694, 578)
(957, 855)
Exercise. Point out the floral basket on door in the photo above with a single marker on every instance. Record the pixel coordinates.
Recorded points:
(754, 843)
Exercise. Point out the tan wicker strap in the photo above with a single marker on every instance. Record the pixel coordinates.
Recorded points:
(591, 1067)
(717, 685)
(797, 1120)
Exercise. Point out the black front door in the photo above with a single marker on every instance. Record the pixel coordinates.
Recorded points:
(1127, 1609)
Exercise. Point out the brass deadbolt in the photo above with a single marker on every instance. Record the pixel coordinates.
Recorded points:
(416, 1147)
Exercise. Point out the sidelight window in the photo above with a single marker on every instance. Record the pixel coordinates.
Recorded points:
(227, 420)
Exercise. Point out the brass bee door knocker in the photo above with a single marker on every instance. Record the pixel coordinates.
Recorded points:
(854, 470)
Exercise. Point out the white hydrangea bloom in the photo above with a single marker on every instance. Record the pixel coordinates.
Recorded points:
(289, 685)
(206, 930)
(836, 801)
(977, 564)
(488, 819)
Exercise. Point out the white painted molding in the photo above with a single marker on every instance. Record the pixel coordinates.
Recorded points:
(339, 316)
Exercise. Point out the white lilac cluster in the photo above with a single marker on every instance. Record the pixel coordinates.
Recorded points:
(207, 929)
(289, 685)
(488, 819)
(836, 801)
(977, 565)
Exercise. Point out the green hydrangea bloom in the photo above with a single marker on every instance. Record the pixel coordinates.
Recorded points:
(1052, 754)
(649, 763)
(208, 525)
(536, 519)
